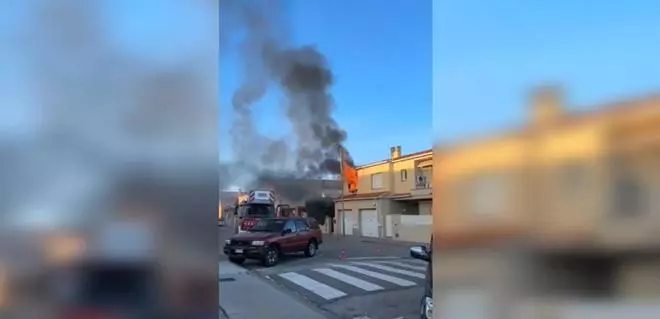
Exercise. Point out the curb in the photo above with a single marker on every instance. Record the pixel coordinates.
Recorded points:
(391, 242)
(386, 241)
(224, 313)
(376, 258)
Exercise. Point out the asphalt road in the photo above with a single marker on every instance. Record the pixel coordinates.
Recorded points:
(350, 277)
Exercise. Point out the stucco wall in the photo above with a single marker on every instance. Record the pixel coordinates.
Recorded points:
(414, 228)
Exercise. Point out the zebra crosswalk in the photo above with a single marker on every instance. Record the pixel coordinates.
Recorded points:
(332, 281)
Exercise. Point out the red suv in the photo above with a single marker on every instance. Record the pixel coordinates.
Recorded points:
(270, 238)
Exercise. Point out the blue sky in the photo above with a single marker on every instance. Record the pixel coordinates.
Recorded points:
(458, 69)
(418, 73)
(380, 52)
(487, 54)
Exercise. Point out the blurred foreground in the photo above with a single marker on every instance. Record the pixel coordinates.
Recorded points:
(108, 145)
(555, 220)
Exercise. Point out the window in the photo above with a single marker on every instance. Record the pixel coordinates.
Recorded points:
(268, 226)
(256, 210)
(377, 181)
(290, 225)
(301, 225)
(404, 175)
(313, 224)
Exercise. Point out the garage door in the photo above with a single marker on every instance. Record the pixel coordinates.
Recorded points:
(349, 221)
(369, 222)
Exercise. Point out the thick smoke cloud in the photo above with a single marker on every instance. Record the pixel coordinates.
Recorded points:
(303, 75)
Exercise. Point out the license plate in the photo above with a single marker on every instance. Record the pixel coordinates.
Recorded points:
(238, 251)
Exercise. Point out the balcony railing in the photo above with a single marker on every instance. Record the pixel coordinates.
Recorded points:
(422, 182)
(422, 186)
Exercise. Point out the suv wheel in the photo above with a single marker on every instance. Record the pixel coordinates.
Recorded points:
(312, 248)
(271, 257)
(425, 308)
(237, 260)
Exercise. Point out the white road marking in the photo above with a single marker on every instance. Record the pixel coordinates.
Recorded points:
(324, 291)
(394, 270)
(402, 265)
(417, 262)
(357, 282)
(369, 258)
(395, 280)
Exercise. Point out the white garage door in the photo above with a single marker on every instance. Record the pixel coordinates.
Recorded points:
(369, 222)
(349, 222)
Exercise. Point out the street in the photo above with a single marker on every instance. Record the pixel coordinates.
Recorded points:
(350, 277)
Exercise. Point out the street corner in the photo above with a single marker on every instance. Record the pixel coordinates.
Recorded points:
(346, 288)
(238, 295)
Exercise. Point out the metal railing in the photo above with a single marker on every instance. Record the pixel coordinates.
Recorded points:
(422, 183)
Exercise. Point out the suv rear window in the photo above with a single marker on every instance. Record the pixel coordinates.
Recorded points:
(313, 224)
(269, 226)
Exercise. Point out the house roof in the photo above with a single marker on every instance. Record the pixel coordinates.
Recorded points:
(400, 158)
(606, 110)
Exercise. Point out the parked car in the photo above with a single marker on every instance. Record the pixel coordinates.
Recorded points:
(425, 253)
(270, 238)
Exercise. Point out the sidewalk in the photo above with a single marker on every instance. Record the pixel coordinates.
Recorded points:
(247, 296)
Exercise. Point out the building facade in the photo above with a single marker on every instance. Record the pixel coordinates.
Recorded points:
(393, 199)
(566, 208)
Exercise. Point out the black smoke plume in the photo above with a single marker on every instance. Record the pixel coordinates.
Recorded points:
(268, 60)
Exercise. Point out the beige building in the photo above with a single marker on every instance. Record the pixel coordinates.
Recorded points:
(393, 199)
(558, 219)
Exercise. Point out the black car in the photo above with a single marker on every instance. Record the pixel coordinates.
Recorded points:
(425, 253)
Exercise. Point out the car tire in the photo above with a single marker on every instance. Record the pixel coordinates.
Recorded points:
(271, 257)
(423, 309)
(237, 260)
(311, 249)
